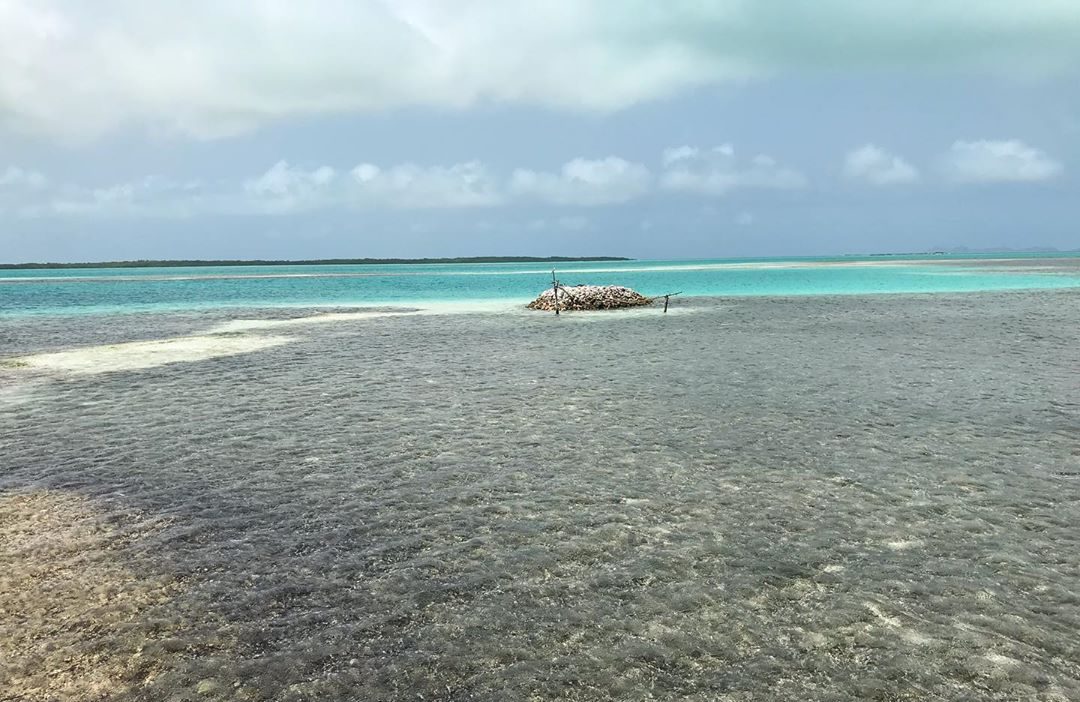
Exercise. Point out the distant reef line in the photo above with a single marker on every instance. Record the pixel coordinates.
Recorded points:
(148, 263)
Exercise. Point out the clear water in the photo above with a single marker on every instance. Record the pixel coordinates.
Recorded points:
(106, 291)
(803, 498)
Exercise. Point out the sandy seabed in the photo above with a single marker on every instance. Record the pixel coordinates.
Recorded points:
(834, 498)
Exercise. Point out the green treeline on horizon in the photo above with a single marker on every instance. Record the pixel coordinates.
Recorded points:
(147, 263)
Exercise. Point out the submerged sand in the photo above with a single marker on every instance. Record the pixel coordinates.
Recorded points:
(142, 355)
(67, 597)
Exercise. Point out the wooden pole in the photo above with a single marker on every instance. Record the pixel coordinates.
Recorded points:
(667, 298)
(555, 291)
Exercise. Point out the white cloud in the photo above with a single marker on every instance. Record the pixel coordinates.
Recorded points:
(677, 153)
(209, 68)
(284, 188)
(30, 194)
(997, 162)
(15, 177)
(718, 170)
(584, 182)
(878, 167)
(153, 196)
(418, 187)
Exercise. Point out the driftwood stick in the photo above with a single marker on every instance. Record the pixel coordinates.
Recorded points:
(555, 291)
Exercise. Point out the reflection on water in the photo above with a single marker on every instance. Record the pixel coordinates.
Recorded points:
(840, 498)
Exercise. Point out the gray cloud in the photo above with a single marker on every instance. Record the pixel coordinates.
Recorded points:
(209, 69)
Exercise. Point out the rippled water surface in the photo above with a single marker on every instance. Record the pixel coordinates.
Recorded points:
(765, 498)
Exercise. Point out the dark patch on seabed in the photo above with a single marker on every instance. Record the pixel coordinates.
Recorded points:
(856, 498)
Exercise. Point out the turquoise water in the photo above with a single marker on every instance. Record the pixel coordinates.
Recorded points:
(108, 291)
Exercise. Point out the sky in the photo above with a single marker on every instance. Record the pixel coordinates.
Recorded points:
(419, 128)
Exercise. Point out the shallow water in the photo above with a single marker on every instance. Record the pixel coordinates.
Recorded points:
(110, 291)
(808, 498)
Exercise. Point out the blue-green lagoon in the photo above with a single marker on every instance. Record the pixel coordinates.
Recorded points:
(108, 290)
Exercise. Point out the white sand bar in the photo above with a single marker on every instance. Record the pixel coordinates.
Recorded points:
(412, 309)
(138, 355)
(243, 325)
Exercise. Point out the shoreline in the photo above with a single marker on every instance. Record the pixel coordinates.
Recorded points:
(638, 266)
(214, 263)
(888, 257)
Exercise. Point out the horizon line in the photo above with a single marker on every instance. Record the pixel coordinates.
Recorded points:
(205, 263)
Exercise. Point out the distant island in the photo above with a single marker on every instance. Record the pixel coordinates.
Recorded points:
(1006, 249)
(964, 250)
(312, 262)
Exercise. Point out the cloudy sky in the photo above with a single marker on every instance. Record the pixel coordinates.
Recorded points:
(687, 128)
